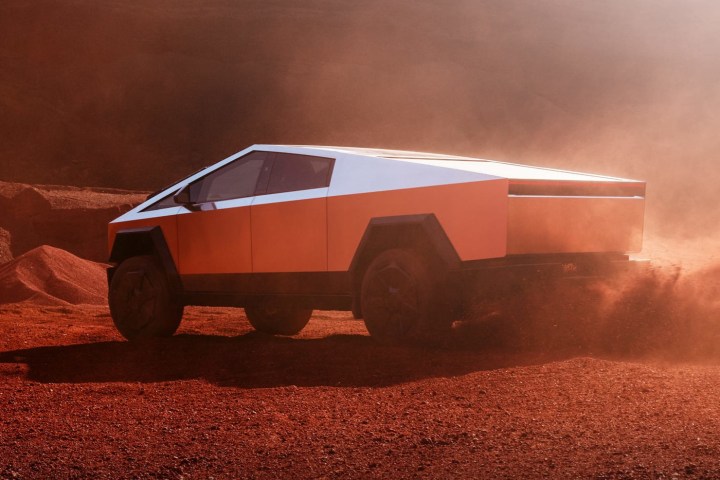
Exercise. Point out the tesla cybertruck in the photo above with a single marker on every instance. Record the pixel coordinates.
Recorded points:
(401, 239)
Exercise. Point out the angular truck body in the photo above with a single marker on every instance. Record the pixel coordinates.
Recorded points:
(392, 235)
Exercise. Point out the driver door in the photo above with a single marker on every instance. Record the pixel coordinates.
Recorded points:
(214, 233)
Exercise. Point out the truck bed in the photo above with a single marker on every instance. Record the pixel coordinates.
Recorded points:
(556, 211)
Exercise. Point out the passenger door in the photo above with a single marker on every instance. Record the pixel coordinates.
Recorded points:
(289, 222)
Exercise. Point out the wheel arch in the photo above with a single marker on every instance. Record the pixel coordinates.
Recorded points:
(421, 231)
(144, 241)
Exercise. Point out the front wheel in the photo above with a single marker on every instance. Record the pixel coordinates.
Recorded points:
(402, 298)
(141, 302)
(278, 320)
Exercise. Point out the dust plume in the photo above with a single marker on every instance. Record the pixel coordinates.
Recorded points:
(661, 312)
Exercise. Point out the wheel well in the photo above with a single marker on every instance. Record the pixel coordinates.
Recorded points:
(422, 233)
(144, 241)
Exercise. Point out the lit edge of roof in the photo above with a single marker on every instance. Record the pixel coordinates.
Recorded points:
(413, 155)
(385, 153)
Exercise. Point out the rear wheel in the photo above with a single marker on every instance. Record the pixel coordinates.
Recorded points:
(278, 320)
(402, 298)
(141, 302)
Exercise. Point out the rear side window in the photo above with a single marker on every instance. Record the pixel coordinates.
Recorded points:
(235, 180)
(292, 172)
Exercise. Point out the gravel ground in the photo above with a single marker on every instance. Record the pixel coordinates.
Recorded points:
(218, 400)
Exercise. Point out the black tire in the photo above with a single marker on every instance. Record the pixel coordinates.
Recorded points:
(278, 320)
(402, 299)
(142, 304)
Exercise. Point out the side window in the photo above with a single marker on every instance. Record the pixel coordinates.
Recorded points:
(292, 172)
(235, 180)
(166, 202)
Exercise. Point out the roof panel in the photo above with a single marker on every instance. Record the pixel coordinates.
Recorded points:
(354, 174)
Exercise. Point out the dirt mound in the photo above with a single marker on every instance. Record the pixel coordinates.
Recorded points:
(72, 218)
(50, 276)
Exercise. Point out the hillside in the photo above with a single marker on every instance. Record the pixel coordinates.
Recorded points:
(70, 218)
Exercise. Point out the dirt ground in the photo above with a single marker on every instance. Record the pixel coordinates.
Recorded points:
(221, 401)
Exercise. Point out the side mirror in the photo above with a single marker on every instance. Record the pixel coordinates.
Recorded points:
(184, 198)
